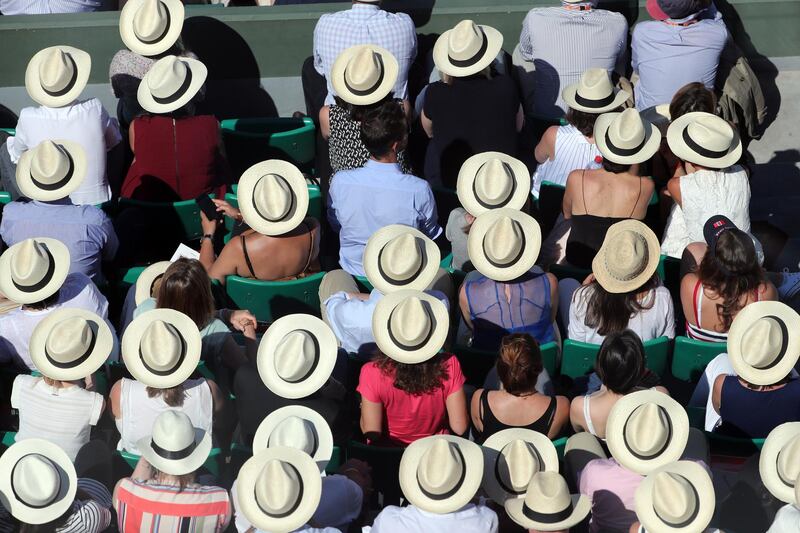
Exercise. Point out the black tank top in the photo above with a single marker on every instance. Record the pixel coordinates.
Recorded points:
(492, 425)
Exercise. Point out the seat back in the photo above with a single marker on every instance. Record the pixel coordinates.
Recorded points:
(251, 140)
(270, 300)
(690, 357)
(579, 358)
(385, 463)
(568, 271)
(656, 352)
(476, 364)
(183, 215)
(211, 464)
(5, 197)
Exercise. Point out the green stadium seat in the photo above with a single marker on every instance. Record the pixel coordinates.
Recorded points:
(270, 300)
(568, 271)
(5, 197)
(9, 438)
(251, 140)
(11, 131)
(476, 363)
(385, 463)
(245, 452)
(211, 464)
(579, 358)
(560, 445)
(690, 357)
(185, 212)
(363, 283)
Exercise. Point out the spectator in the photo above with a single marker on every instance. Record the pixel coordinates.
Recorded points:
(548, 505)
(778, 465)
(44, 7)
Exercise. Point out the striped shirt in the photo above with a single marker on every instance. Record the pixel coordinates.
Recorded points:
(573, 151)
(44, 7)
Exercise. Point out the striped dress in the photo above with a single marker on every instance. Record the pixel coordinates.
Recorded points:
(572, 152)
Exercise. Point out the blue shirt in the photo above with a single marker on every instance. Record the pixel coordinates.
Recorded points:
(363, 200)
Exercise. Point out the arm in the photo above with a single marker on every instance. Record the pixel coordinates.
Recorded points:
(143, 471)
(427, 124)
(475, 409)
(132, 136)
(547, 145)
(576, 414)
(332, 220)
(553, 296)
(371, 419)
(325, 122)
(233, 355)
(687, 295)
(463, 303)
(457, 415)
(674, 188)
(572, 183)
(428, 215)
(716, 393)
(109, 239)
(560, 418)
(114, 399)
(226, 264)
(217, 398)
(207, 255)
(520, 118)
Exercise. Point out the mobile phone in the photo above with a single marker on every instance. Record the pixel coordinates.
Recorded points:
(208, 207)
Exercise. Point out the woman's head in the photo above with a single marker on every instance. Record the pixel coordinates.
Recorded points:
(519, 364)
(690, 98)
(583, 121)
(173, 396)
(357, 112)
(609, 313)
(615, 168)
(415, 379)
(621, 362)
(186, 287)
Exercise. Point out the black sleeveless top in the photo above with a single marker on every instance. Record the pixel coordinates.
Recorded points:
(492, 425)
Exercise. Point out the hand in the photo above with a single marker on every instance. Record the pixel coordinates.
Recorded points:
(209, 226)
(227, 209)
(589, 279)
(242, 318)
(249, 331)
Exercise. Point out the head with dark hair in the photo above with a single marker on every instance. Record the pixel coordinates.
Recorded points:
(357, 112)
(47, 303)
(615, 168)
(173, 396)
(186, 287)
(621, 363)
(690, 98)
(609, 312)
(583, 121)
(384, 130)
(416, 379)
(519, 364)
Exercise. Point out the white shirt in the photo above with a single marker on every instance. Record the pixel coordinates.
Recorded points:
(470, 519)
(84, 122)
(44, 7)
(787, 520)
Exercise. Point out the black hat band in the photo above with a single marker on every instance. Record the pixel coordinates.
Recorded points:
(47, 278)
(374, 87)
(505, 202)
(423, 342)
(79, 360)
(187, 81)
(60, 183)
(547, 518)
(70, 85)
(464, 63)
(456, 487)
(163, 33)
(294, 506)
(592, 103)
(705, 152)
(171, 455)
(623, 152)
(398, 282)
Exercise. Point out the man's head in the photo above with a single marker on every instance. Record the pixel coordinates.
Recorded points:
(384, 130)
(375, 2)
(675, 9)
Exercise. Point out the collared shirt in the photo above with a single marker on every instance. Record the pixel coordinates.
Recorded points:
(85, 122)
(787, 520)
(469, 519)
(668, 56)
(44, 7)
(363, 200)
(86, 231)
(563, 43)
(365, 24)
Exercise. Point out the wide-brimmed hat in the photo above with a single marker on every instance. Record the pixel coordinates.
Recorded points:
(297, 355)
(442, 473)
(37, 481)
(161, 348)
(491, 180)
(364, 74)
(628, 257)
(676, 498)
(410, 326)
(151, 27)
(503, 244)
(764, 342)
(174, 446)
(779, 462)
(466, 49)
(594, 93)
(51, 170)
(625, 138)
(273, 197)
(33, 270)
(171, 83)
(548, 505)
(70, 344)
(510, 459)
(278, 489)
(646, 430)
(149, 280)
(704, 139)
(57, 75)
(298, 427)
(400, 257)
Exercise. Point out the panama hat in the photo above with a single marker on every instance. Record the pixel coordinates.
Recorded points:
(466, 49)
(625, 138)
(37, 481)
(51, 170)
(297, 355)
(676, 498)
(70, 344)
(171, 83)
(510, 459)
(175, 447)
(149, 280)
(298, 427)
(764, 342)
(548, 505)
(151, 27)
(491, 180)
(364, 74)
(410, 326)
(503, 244)
(442, 473)
(704, 139)
(594, 93)
(646, 430)
(161, 348)
(400, 257)
(273, 197)
(779, 463)
(57, 75)
(628, 257)
(33, 270)
(278, 489)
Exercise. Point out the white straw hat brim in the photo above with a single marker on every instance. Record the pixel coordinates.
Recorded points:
(526, 260)
(178, 467)
(704, 488)
(148, 101)
(651, 144)
(61, 266)
(466, 182)
(391, 69)
(29, 189)
(768, 462)
(682, 150)
(581, 505)
(658, 116)
(83, 67)
(160, 45)
(441, 55)
(372, 255)
(601, 261)
(146, 280)
(324, 445)
(296, 182)
(569, 96)
(389, 347)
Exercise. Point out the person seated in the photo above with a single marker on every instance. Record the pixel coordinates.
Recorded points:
(780, 460)
(363, 200)
(15, 7)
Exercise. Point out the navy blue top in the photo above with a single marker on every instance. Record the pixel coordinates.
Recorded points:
(753, 414)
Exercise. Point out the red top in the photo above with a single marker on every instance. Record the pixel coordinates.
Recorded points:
(175, 159)
(408, 417)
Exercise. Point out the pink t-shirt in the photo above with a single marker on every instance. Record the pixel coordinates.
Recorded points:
(407, 417)
(612, 489)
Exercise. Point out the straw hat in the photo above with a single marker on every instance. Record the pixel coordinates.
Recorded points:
(594, 93)
(764, 342)
(70, 344)
(51, 170)
(278, 489)
(779, 463)
(57, 75)
(646, 430)
(704, 139)
(37, 481)
(441, 474)
(548, 505)
(625, 138)
(364, 74)
(33, 270)
(298, 427)
(410, 326)
(171, 83)
(297, 355)
(628, 257)
(658, 116)
(151, 27)
(466, 49)
(175, 447)
(161, 348)
(510, 459)
(400, 257)
(676, 498)
(149, 280)
(273, 197)
(503, 244)
(490, 180)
